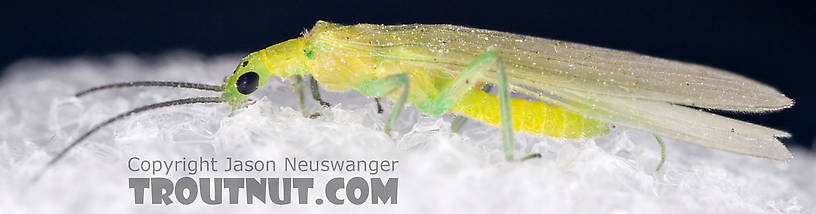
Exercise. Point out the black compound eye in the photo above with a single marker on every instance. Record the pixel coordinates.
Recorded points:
(247, 83)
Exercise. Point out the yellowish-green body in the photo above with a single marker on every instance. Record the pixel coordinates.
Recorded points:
(575, 90)
(342, 58)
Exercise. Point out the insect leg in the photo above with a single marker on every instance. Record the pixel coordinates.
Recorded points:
(300, 87)
(460, 120)
(662, 152)
(457, 123)
(531, 156)
(316, 92)
(379, 106)
(462, 84)
(504, 111)
(385, 86)
(466, 82)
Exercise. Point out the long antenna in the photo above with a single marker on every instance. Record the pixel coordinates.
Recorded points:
(121, 116)
(171, 84)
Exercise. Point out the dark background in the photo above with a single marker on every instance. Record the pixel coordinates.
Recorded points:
(766, 40)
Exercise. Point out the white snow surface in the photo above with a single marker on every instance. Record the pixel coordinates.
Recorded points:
(438, 171)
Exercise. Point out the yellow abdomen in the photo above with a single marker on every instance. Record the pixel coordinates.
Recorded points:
(530, 116)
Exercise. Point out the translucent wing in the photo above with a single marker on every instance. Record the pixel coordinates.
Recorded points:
(674, 121)
(588, 68)
(619, 87)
